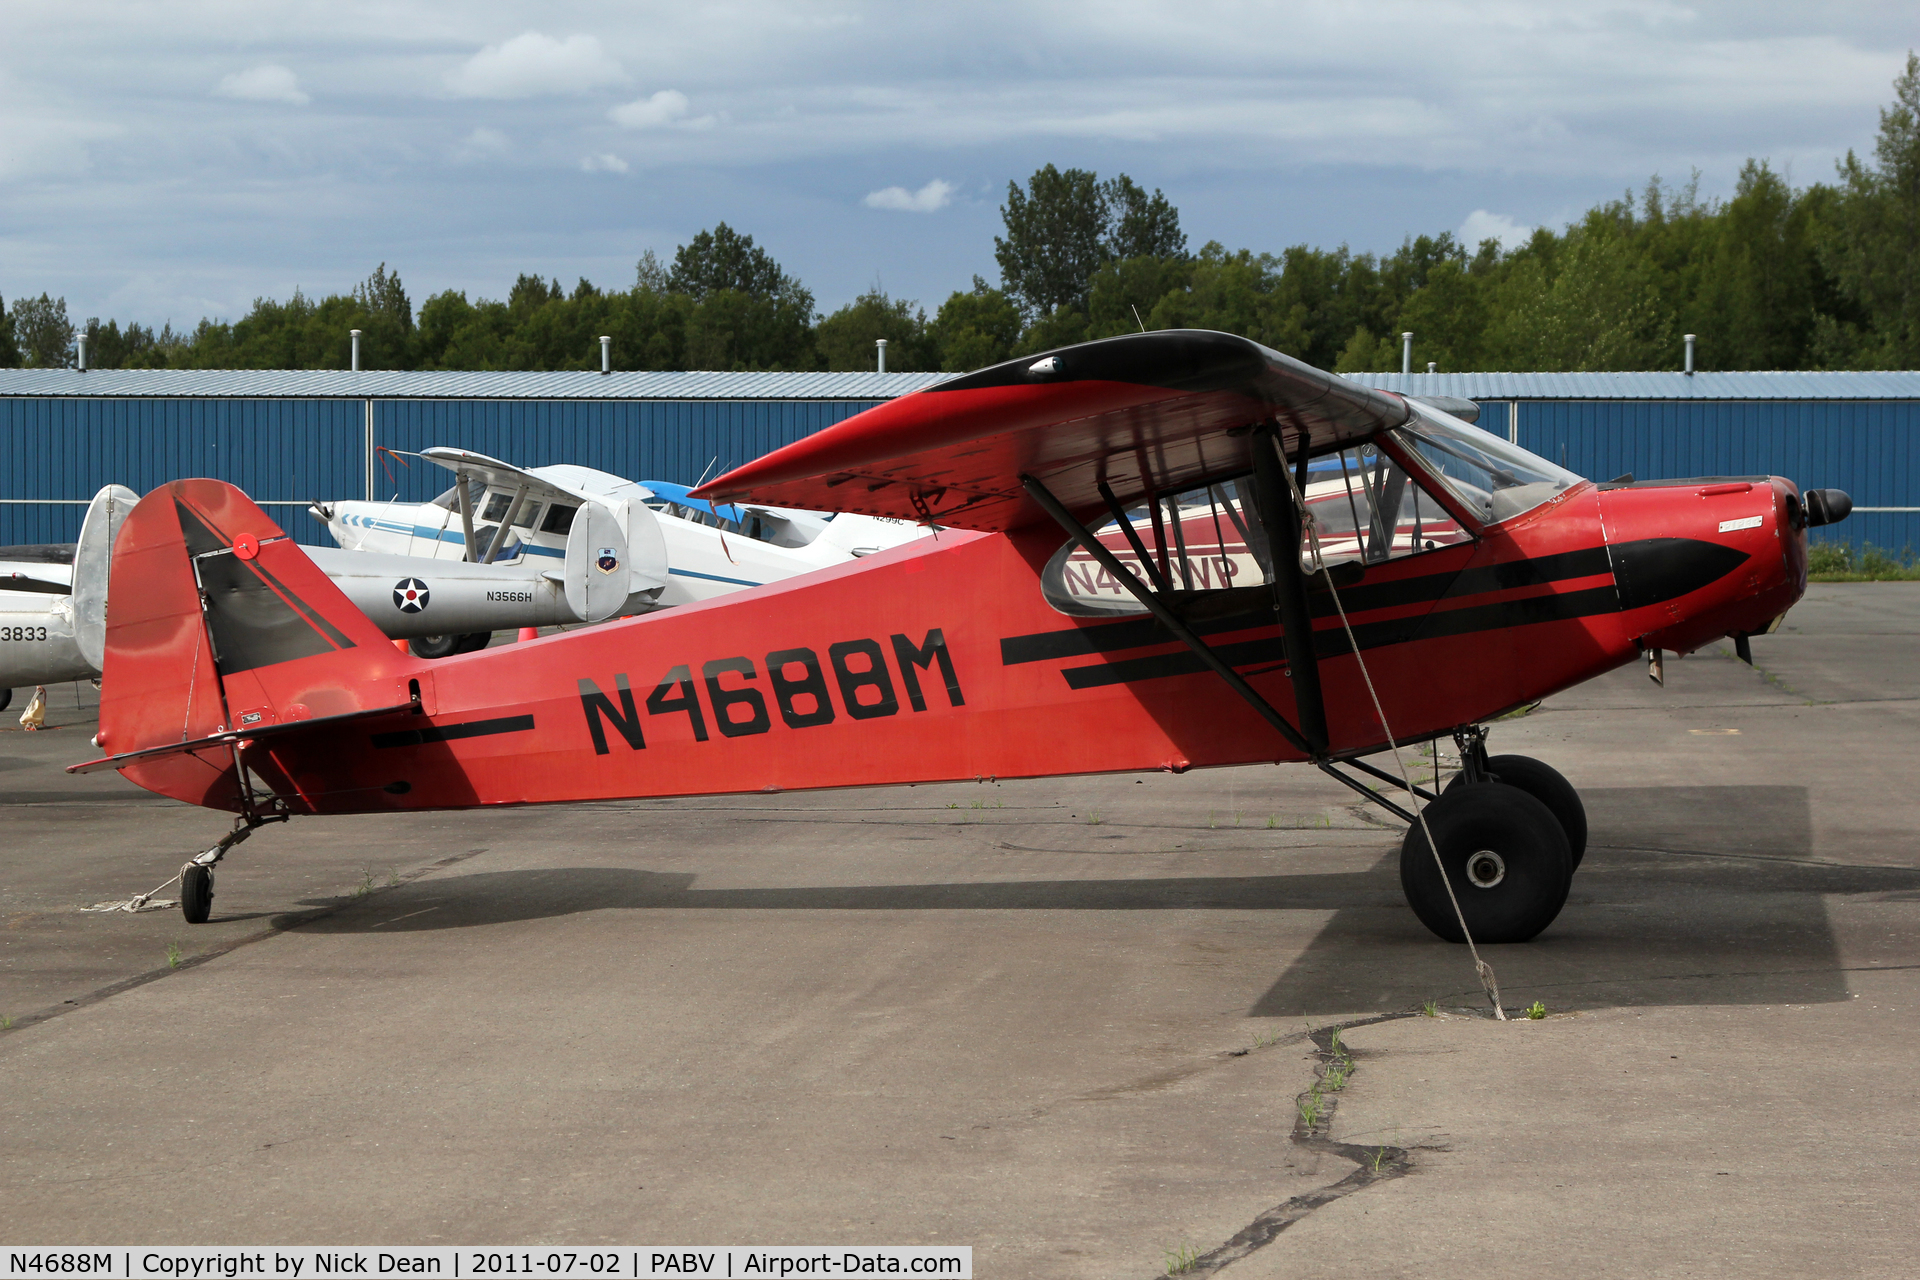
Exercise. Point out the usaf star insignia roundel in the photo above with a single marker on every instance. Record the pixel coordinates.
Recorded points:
(606, 559)
(410, 595)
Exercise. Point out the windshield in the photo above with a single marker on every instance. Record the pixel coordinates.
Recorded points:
(1496, 480)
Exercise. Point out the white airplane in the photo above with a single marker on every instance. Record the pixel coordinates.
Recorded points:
(53, 599)
(498, 513)
(51, 632)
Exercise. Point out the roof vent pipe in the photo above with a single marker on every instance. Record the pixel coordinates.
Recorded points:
(1432, 367)
(880, 345)
(1689, 355)
(1406, 353)
(80, 341)
(355, 333)
(606, 354)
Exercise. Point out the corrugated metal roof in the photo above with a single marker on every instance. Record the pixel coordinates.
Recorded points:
(383, 384)
(1786, 385)
(440, 385)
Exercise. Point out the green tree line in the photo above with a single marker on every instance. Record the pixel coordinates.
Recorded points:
(1774, 277)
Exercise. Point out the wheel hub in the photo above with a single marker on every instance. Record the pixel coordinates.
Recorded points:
(1485, 869)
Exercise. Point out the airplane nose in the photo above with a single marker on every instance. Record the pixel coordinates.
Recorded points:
(1827, 506)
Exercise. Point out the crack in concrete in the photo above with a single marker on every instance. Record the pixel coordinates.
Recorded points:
(1380, 1163)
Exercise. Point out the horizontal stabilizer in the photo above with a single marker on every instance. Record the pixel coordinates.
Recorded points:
(235, 738)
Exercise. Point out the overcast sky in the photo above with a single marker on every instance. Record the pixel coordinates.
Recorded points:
(168, 161)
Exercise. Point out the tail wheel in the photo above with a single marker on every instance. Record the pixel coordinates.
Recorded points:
(474, 642)
(434, 646)
(6, 699)
(196, 894)
(1544, 783)
(1505, 855)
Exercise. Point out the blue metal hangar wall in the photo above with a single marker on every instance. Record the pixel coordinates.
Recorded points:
(1854, 431)
(288, 438)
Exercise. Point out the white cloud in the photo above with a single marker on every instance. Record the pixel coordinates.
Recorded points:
(604, 163)
(663, 108)
(1481, 225)
(531, 64)
(483, 144)
(268, 83)
(935, 195)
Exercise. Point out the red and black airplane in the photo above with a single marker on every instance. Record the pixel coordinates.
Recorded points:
(1157, 552)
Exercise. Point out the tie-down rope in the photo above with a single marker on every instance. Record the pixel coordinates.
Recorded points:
(1311, 523)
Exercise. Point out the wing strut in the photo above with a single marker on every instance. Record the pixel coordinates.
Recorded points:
(1279, 514)
(1167, 618)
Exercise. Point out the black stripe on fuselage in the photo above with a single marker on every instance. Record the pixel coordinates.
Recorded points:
(1331, 643)
(1683, 565)
(1137, 633)
(448, 732)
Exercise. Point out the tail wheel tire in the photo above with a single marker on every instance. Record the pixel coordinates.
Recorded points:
(1506, 856)
(1544, 783)
(434, 646)
(6, 699)
(474, 642)
(196, 894)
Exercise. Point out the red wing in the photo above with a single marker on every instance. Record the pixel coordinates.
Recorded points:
(1147, 413)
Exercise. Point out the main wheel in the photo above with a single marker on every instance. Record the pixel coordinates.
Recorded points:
(196, 894)
(434, 646)
(6, 699)
(474, 642)
(1505, 855)
(1544, 783)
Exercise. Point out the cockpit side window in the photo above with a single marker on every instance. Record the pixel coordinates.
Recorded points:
(1364, 507)
(559, 519)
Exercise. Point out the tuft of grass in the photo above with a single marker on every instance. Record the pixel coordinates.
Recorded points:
(1211, 822)
(6, 1022)
(1093, 818)
(1181, 1260)
(1261, 1039)
(1430, 1009)
(173, 955)
(1536, 1011)
(365, 886)
(1272, 822)
(1844, 562)
(954, 805)
(1312, 1107)
(1335, 1078)
(393, 879)
(1378, 1158)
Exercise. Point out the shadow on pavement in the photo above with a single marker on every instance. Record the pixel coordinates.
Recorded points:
(1688, 895)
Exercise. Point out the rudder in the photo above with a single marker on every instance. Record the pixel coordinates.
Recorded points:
(216, 619)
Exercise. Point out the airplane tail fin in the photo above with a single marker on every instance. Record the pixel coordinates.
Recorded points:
(92, 561)
(218, 623)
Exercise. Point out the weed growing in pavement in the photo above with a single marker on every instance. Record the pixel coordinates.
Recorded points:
(1335, 1078)
(393, 879)
(6, 1022)
(1181, 1260)
(1430, 1009)
(365, 886)
(1536, 1011)
(1311, 1107)
(1211, 823)
(1093, 818)
(1261, 1039)
(1379, 1156)
(955, 805)
(173, 955)
(1272, 822)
